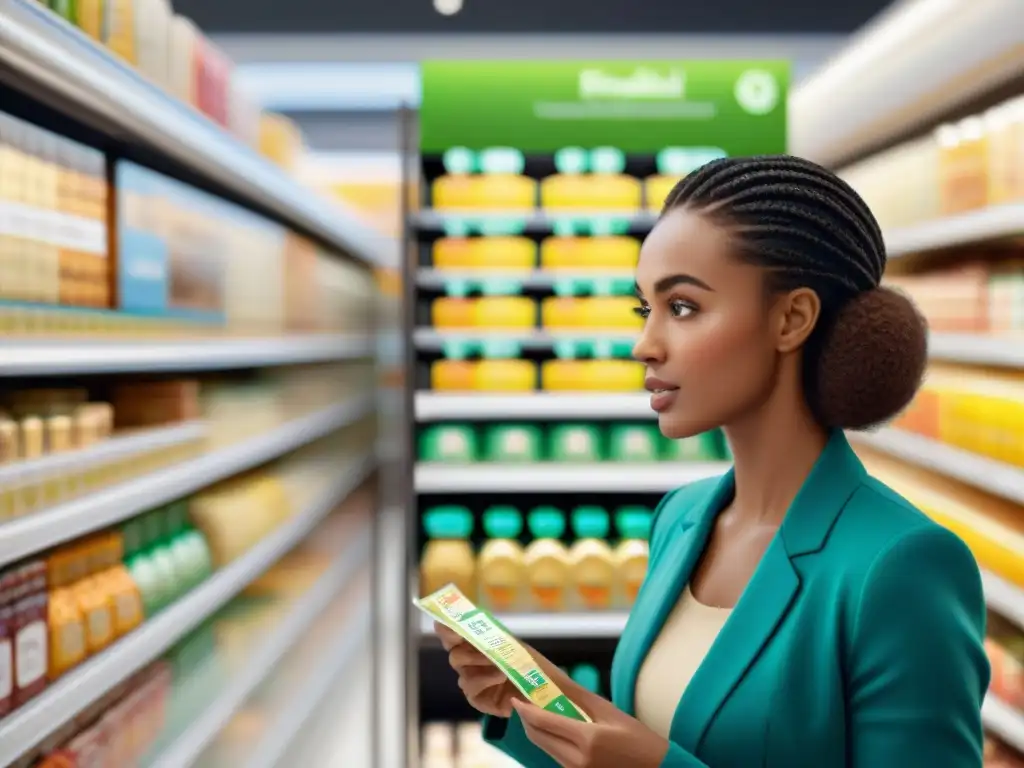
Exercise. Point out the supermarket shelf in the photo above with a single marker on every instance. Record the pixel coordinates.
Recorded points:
(280, 736)
(437, 279)
(53, 60)
(42, 357)
(549, 626)
(112, 449)
(995, 223)
(431, 219)
(434, 406)
(42, 530)
(1004, 352)
(989, 475)
(917, 63)
(187, 749)
(1004, 721)
(557, 477)
(1004, 598)
(70, 695)
(432, 340)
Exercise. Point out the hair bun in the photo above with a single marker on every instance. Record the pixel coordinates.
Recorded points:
(873, 361)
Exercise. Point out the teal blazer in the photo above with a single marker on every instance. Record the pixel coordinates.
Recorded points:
(857, 642)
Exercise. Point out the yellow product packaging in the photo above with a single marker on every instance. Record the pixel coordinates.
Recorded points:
(560, 312)
(485, 633)
(505, 312)
(614, 252)
(498, 191)
(596, 192)
(452, 375)
(656, 189)
(504, 253)
(505, 376)
(451, 312)
(610, 312)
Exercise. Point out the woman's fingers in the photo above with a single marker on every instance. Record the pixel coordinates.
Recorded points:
(465, 656)
(478, 681)
(448, 638)
(537, 726)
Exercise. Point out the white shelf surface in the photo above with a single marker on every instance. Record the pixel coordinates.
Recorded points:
(38, 357)
(53, 59)
(437, 406)
(530, 338)
(1004, 721)
(989, 475)
(569, 625)
(535, 278)
(42, 530)
(281, 735)
(209, 723)
(969, 349)
(433, 218)
(117, 448)
(913, 65)
(558, 477)
(1004, 598)
(71, 694)
(995, 223)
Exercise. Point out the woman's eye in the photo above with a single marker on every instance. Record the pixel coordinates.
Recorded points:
(643, 311)
(682, 308)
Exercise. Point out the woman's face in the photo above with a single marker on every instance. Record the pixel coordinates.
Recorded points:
(707, 340)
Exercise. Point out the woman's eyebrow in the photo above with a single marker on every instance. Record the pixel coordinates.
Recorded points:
(681, 279)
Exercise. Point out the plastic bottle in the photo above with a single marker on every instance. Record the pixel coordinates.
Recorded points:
(501, 570)
(631, 554)
(448, 557)
(547, 560)
(591, 559)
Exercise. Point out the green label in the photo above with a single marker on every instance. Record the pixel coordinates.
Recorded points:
(727, 107)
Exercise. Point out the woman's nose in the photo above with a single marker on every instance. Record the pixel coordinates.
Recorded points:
(647, 349)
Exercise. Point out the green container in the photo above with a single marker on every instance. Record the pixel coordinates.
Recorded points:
(634, 442)
(703, 447)
(513, 443)
(455, 443)
(590, 522)
(634, 522)
(448, 522)
(587, 676)
(546, 523)
(575, 442)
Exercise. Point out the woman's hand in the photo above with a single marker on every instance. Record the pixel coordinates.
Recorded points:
(613, 740)
(484, 685)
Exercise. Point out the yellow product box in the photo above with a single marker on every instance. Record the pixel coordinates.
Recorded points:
(489, 636)
(591, 192)
(657, 188)
(506, 253)
(585, 253)
(495, 191)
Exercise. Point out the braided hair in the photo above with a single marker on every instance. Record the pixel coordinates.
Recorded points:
(806, 227)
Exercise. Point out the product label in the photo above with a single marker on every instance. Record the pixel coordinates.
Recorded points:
(712, 107)
(485, 633)
(30, 654)
(6, 670)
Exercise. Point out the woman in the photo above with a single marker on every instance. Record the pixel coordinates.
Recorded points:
(796, 612)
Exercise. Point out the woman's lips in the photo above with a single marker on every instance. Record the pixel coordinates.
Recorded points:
(662, 399)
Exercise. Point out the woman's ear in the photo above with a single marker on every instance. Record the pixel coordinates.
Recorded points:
(797, 314)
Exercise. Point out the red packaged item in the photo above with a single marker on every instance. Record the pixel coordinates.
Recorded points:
(30, 632)
(7, 582)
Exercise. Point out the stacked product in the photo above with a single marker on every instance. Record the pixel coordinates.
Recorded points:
(520, 568)
(582, 442)
(961, 167)
(459, 745)
(976, 296)
(978, 410)
(52, 440)
(140, 252)
(170, 51)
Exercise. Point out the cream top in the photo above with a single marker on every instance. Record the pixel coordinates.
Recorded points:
(675, 655)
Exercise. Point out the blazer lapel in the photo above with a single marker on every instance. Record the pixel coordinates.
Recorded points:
(664, 584)
(771, 592)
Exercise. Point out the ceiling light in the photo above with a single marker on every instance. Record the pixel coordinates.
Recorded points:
(448, 7)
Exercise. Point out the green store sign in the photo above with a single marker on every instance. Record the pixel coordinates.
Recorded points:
(729, 107)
